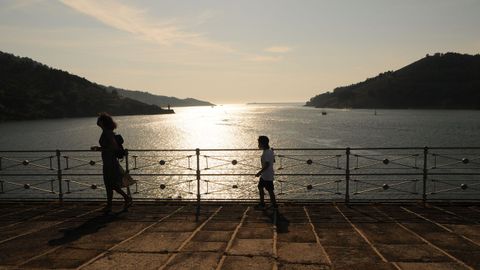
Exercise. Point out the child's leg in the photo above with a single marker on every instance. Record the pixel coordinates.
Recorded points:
(272, 197)
(262, 195)
(261, 192)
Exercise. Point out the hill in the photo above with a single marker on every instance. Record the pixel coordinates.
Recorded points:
(159, 100)
(441, 81)
(31, 90)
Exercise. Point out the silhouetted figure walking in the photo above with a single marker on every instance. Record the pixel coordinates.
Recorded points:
(112, 175)
(266, 173)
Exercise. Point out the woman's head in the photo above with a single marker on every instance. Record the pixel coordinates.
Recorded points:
(263, 142)
(105, 121)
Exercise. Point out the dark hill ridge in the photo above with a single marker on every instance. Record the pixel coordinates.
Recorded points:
(159, 100)
(441, 81)
(31, 90)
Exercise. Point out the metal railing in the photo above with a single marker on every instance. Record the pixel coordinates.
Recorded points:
(301, 174)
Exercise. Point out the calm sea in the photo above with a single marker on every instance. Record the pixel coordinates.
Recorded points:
(238, 126)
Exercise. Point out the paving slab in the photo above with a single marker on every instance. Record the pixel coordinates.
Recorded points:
(205, 246)
(412, 253)
(344, 237)
(255, 233)
(248, 262)
(220, 226)
(197, 260)
(127, 260)
(351, 257)
(154, 242)
(63, 258)
(213, 236)
(431, 266)
(252, 247)
(306, 253)
(296, 266)
(300, 233)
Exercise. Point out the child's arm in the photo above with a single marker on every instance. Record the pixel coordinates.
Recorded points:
(265, 166)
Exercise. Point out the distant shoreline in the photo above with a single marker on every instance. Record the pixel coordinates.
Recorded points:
(166, 111)
(275, 103)
(405, 109)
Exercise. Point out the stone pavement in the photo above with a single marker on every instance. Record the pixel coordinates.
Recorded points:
(76, 235)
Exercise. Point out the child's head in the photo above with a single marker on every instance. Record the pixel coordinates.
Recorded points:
(263, 142)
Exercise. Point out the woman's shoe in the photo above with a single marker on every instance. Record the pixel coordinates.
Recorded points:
(107, 209)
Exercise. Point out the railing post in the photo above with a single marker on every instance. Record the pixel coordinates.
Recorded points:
(59, 176)
(197, 213)
(347, 176)
(127, 170)
(425, 174)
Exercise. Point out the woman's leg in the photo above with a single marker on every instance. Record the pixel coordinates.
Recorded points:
(121, 192)
(108, 188)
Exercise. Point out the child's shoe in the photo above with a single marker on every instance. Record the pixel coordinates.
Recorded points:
(260, 206)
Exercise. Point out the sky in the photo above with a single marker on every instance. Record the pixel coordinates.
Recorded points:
(236, 51)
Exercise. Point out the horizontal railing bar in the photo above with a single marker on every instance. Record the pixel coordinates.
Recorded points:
(206, 200)
(453, 173)
(236, 174)
(24, 174)
(251, 149)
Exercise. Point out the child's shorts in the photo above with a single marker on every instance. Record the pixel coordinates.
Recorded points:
(268, 185)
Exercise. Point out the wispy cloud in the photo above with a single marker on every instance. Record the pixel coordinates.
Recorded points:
(138, 22)
(278, 49)
(264, 58)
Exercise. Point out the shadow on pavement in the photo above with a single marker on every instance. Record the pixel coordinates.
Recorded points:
(90, 226)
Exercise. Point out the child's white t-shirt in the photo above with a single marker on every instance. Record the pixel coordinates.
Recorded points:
(267, 156)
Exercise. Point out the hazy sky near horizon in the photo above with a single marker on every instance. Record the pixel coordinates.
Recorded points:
(236, 51)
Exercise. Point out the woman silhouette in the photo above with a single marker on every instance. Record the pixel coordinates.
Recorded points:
(112, 175)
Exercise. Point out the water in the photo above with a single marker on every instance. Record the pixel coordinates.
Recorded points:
(238, 126)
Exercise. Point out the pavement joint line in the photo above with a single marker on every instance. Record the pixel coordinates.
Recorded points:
(455, 214)
(441, 226)
(49, 226)
(185, 242)
(474, 209)
(35, 217)
(275, 217)
(366, 239)
(424, 240)
(275, 265)
(317, 238)
(274, 246)
(15, 212)
(129, 238)
(232, 238)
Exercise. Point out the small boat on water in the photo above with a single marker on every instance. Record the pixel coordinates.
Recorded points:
(324, 113)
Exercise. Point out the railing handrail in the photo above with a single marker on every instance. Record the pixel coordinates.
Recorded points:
(255, 149)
